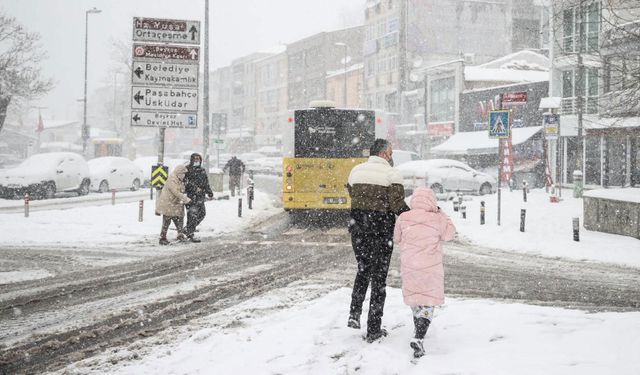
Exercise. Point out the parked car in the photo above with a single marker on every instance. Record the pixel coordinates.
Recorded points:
(268, 165)
(114, 173)
(44, 175)
(446, 175)
(401, 156)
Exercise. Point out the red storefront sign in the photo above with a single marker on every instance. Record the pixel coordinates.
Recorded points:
(440, 129)
(514, 98)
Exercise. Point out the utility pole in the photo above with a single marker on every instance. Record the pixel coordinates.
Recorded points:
(402, 56)
(205, 97)
(582, 39)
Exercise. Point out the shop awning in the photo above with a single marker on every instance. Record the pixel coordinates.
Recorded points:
(479, 143)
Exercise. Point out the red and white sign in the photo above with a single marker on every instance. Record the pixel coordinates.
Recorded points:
(166, 53)
(514, 98)
(440, 129)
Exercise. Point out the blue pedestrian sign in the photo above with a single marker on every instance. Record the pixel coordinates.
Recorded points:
(499, 124)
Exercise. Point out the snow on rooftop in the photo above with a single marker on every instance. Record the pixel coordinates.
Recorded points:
(625, 195)
(352, 68)
(480, 143)
(475, 73)
(51, 124)
(519, 60)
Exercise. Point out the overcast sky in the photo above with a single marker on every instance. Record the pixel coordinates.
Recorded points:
(238, 27)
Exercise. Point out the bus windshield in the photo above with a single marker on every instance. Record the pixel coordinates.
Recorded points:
(333, 133)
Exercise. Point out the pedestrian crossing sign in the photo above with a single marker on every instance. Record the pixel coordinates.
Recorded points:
(499, 124)
(159, 174)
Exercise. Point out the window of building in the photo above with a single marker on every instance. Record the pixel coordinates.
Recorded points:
(581, 28)
(390, 4)
(574, 87)
(442, 96)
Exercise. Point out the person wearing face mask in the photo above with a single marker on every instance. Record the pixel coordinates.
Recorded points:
(196, 186)
(377, 196)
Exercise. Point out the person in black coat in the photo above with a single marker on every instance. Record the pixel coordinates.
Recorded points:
(196, 188)
(236, 169)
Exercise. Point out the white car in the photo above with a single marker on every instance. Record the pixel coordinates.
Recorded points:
(44, 175)
(446, 175)
(401, 156)
(268, 165)
(114, 173)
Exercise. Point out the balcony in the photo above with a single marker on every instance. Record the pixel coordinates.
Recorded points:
(570, 105)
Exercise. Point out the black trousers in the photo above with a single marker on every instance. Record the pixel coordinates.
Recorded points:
(195, 214)
(372, 242)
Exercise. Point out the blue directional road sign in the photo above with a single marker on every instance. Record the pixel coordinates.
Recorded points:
(499, 124)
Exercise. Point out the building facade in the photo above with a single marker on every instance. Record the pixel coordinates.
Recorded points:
(344, 86)
(272, 99)
(596, 65)
(311, 58)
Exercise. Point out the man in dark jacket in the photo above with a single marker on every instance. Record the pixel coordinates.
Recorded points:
(236, 169)
(377, 196)
(196, 187)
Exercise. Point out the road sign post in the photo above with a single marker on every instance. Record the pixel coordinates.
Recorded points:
(164, 76)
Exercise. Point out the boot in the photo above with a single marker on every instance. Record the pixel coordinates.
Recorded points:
(181, 238)
(373, 336)
(194, 239)
(163, 241)
(418, 348)
(422, 325)
(353, 322)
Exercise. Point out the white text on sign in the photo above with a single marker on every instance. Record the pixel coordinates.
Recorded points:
(168, 99)
(169, 74)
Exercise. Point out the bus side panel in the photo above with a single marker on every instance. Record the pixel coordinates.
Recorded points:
(314, 183)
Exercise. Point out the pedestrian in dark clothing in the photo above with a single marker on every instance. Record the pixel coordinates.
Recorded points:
(196, 187)
(236, 169)
(377, 196)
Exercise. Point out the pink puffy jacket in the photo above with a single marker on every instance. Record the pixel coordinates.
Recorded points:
(419, 234)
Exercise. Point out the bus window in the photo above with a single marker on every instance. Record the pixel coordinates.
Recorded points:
(333, 133)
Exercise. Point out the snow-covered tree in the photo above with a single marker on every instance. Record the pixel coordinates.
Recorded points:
(20, 58)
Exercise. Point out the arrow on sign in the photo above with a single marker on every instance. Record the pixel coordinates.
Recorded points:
(193, 32)
(138, 97)
(138, 72)
(136, 118)
(194, 54)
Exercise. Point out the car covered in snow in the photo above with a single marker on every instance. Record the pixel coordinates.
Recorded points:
(44, 175)
(401, 156)
(443, 175)
(114, 173)
(267, 165)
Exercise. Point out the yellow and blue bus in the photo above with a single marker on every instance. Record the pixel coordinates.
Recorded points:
(321, 145)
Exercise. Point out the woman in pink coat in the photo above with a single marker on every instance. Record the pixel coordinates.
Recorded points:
(419, 233)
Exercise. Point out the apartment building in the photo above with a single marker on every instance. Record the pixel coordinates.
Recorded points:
(272, 98)
(311, 58)
(596, 65)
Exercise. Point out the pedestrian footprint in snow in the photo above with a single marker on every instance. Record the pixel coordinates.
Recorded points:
(420, 232)
(171, 203)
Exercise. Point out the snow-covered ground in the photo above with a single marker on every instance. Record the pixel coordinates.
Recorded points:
(548, 228)
(91, 229)
(118, 224)
(270, 335)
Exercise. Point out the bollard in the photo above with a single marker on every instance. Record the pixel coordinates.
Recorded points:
(239, 207)
(576, 229)
(250, 196)
(113, 197)
(26, 205)
(455, 205)
(523, 214)
(151, 193)
(140, 211)
(524, 190)
(463, 210)
(482, 213)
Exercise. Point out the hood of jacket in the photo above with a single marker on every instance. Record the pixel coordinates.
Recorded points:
(424, 198)
(179, 171)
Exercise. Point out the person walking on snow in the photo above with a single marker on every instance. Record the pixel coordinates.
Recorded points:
(197, 186)
(419, 233)
(377, 196)
(236, 169)
(171, 203)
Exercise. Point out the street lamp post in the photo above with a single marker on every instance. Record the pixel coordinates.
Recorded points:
(85, 128)
(344, 96)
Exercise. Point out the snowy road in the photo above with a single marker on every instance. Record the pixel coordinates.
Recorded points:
(49, 323)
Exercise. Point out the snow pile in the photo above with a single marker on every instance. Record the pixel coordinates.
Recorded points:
(548, 228)
(466, 337)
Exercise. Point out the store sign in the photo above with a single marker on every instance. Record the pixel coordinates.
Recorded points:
(551, 124)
